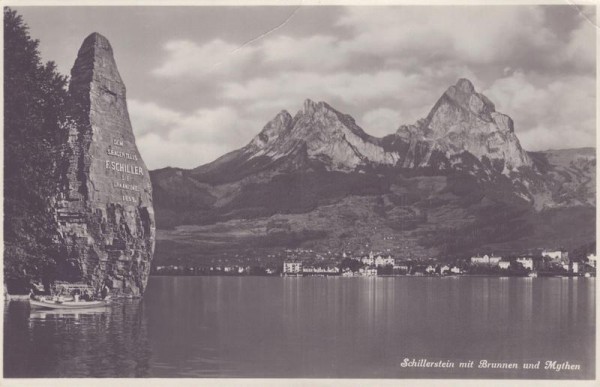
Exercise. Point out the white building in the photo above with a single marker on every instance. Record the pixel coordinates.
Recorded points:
(592, 259)
(455, 270)
(556, 255)
(369, 261)
(401, 266)
(320, 270)
(308, 269)
(574, 267)
(486, 260)
(504, 265)
(444, 269)
(527, 263)
(368, 271)
(430, 269)
(381, 261)
(292, 267)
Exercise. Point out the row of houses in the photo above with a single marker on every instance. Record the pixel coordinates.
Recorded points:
(208, 270)
(557, 257)
(297, 268)
(370, 271)
(491, 260)
(377, 261)
(363, 271)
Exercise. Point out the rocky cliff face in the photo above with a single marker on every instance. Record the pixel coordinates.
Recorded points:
(329, 136)
(462, 133)
(104, 210)
(463, 120)
(462, 127)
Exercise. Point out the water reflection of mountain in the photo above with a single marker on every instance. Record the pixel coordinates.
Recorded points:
(82, 344)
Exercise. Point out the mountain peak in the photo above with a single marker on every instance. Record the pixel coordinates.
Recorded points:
(465, 120)
(465, 85)
(95, 60)
(464, 95)
(323, 134)
(462, 120)
(281, 123)
(311, 107)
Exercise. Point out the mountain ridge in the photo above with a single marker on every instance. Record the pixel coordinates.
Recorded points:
(455, 181)
(461, 120)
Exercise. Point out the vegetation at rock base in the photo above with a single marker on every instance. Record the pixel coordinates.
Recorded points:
(34, 110)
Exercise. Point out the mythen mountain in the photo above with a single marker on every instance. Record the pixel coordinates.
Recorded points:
(455, 182)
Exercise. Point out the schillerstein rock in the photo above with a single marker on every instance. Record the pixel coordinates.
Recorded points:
(104, 212)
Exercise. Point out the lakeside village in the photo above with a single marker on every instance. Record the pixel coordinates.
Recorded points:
(546, 263)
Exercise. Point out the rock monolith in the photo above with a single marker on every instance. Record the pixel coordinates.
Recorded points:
(104, 212)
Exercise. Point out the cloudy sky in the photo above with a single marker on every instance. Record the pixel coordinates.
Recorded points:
(202, 81)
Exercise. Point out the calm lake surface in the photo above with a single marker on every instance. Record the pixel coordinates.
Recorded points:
(314, 328)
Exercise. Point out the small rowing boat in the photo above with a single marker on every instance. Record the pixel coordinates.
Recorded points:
(43, 313)
(58, 304)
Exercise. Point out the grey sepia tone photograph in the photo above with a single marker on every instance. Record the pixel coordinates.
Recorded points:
(300, 192)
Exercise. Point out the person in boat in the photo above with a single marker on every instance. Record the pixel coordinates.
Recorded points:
(32, 295)
(86, 296)
(76, 295)
(104, 292)
(58, 294)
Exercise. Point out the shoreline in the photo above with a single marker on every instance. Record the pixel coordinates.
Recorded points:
(372, 276)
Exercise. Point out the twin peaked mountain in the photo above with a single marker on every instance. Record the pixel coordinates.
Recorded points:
(461, 121)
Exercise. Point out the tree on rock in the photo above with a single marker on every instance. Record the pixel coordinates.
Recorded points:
(34, 110)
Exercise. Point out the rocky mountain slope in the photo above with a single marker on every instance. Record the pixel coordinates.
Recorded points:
(455, 181)
(463, 120)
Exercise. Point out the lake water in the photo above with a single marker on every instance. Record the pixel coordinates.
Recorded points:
(314, 328)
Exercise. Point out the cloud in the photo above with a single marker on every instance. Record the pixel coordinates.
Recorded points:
(561, 137)
(411, 95)
(169, 138)
(149, 117)
(158, 153)
(349, 87)
(519, 37)
(380, 122)
(580, 49)
(386, 66)
(190, 60)
(552, 113)
(312, 52)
